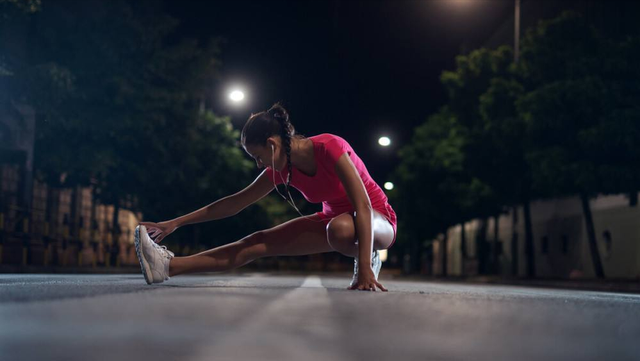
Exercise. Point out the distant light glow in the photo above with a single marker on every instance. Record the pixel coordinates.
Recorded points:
(384, 141)
(236, 96)
(388, 186)
(461, 2)
(383, 255)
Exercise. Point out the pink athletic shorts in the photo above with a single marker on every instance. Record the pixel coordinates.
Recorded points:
(326, 218)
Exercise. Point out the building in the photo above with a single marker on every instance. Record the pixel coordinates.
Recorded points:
(41, 225)
(560, 243)
(561, 249)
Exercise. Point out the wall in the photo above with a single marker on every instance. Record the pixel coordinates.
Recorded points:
(561, 247)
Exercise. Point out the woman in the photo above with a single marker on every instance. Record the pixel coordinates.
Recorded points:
(324, 168)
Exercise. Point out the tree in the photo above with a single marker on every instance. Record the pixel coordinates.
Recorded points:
(26, 6)
(580, 112)
(434, 191)
(117, 95)
(506, 134)
(482, 90)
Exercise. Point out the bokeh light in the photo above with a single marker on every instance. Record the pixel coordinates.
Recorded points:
(236, 96)
(384, 141)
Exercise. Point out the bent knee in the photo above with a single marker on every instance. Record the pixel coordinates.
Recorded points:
(340, 231)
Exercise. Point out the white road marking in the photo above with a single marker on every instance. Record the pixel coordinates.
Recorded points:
(312, 282)
(301, 316)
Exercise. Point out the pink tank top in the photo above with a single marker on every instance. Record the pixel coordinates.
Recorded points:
(325, 186)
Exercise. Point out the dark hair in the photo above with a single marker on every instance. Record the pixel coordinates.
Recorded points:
(265, 124)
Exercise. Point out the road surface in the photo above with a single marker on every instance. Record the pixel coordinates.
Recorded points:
(308, 317)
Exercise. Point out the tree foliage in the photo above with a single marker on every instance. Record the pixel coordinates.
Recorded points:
(581, 113)
(117, 98)
(561, 122)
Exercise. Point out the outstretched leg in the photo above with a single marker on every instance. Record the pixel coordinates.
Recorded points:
(299, 236)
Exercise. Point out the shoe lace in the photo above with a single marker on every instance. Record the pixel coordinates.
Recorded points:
(162, 249)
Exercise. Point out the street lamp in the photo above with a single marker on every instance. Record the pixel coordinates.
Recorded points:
(236, 96)
(388, 186)
(384, 141)
(516, 28)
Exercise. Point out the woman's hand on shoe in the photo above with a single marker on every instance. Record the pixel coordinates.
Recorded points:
(367, 282)
(158, 231)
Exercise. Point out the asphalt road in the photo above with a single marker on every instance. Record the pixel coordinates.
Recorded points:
(269, 317)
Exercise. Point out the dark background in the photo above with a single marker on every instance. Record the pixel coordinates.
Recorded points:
(358, 69)
(112, 95)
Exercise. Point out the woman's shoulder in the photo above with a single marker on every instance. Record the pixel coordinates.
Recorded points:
(331, 146)
(327, 138)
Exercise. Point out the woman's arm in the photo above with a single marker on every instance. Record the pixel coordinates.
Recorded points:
(359, 198)
(230, 205)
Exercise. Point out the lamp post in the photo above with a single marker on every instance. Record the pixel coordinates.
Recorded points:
(516, 31)
(516, 35)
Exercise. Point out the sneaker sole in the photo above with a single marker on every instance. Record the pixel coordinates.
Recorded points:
(146, 270)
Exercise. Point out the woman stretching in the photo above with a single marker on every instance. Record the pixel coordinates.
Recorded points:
(356, 218)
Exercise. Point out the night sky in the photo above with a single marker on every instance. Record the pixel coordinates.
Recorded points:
(358, 69)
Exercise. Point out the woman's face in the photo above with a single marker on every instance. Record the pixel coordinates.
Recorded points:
(264, 156)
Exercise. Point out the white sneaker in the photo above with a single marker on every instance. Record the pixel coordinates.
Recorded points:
(355, 272)
(154, 259)
(376, 264)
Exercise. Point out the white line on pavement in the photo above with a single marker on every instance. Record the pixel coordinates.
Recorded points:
(301, 316)
(312, 282)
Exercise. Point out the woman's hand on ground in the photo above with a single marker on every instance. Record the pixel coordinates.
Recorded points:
(367, 282)
(158, 231)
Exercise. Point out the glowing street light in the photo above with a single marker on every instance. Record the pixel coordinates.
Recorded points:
(384, 141)
(236, 96)
(388, 186)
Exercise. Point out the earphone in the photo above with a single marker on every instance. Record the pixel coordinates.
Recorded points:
(273, 163)
(273, 170)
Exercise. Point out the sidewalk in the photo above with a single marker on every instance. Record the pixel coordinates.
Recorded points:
(69, 269)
